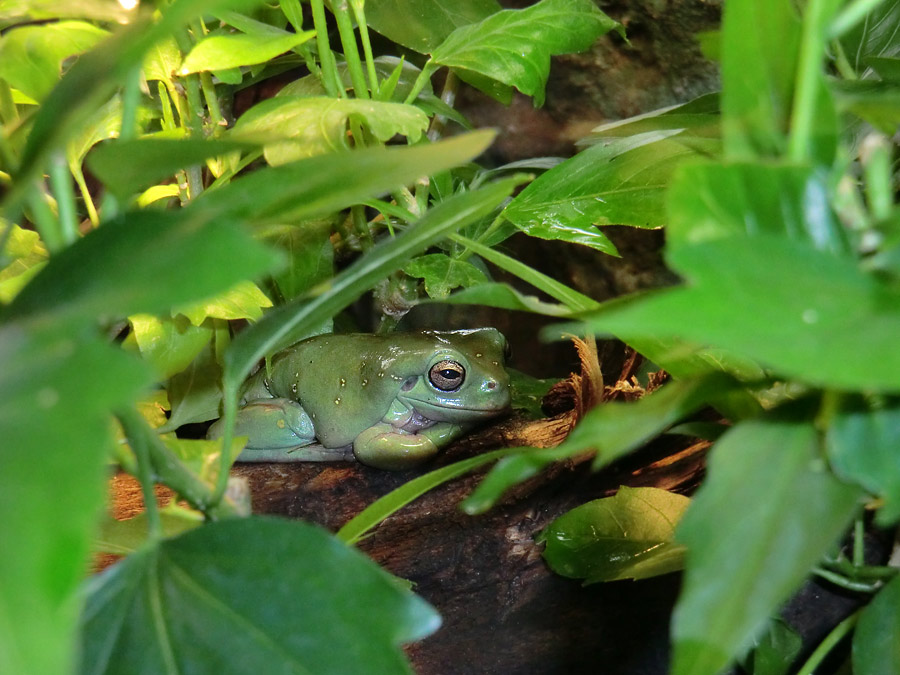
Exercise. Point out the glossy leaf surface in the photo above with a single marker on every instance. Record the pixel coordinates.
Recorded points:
(514, 46)
(192, 604)
(441, 273)
(218, 52)
(422, 25)
(767, 468)
(627, 536)
(876, 650)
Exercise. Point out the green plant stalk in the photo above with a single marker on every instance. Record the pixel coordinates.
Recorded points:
(809, 76)
(330, 77)
(859, 544)
(78, 175)
(572, 299)
(212, 102)
(359, 13)
(841, 62)
(422, 79)
(165, 103)
(341, 14)
(131, 424)
(61, 184)
(879, 184)
(841, 581)
(851, 16)
(830, 641)
(361, 225)
(448, 96)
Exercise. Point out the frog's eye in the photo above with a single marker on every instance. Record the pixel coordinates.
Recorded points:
(447, 375)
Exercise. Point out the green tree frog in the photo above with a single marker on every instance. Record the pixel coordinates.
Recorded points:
(391, 401)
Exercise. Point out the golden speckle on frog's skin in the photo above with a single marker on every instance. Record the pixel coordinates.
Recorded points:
(479, 355)
(343, 382)
(337, 401)
(365, 382)
(381, 374)
(280, 424)
(495, 363)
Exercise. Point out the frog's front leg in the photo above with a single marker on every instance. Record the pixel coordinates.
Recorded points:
(386, 447)
(278, 430)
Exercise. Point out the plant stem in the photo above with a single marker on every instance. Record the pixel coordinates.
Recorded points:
(44, 218)
(131, 424)
(339, 9)
(843, 582)
(422, 79)
(809, 79)
(841, 62)
(448, 96)
(859, 544)
(830, 641)
(78, 174)
(61, 183)
(359, 14)
(330, 77)
(131, 97)
(212, 102)
(361, 225)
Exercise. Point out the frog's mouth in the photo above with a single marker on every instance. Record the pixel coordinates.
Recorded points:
(424, 407)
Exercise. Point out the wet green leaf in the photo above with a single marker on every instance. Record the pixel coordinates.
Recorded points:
(774, 651)
(56, 431)
(195, 393)
(205, 587)
(767, 468)
(294, 128)
(309, 252)
(442, 274)
(26, 11)
(862, 444)
(31, 56)
(627, 536)
(876, 650)
(168, 344)
(875, 36)
(619, 182)
(422, 25)
(514, 46)
(123, 537)
(695, 120)
(792, 308)
(244, 300)
(218, 52)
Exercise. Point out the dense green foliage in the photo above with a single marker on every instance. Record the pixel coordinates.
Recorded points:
(122, 287)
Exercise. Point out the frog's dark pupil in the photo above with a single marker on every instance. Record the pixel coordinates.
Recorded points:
(447, 375)
(450, 374)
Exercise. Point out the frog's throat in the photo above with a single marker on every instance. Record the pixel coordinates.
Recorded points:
(423, 406)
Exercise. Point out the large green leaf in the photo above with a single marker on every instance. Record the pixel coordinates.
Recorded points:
(142, 262)
(250, 595)
(766, 514)
(195, 393)
(627, 536)
(319, 185)
(244, 300)
(514, 46)
(875, 36)
(56, 431)
(622, 182)
(423, 24)
(862, 444)
(790, 307)
(28, 11)
(876, 649)
(292, 128)
(441, 273)
(168, 344)
(31, 56)
(310, 255)
(694, 120)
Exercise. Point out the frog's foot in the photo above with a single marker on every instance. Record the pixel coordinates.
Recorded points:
(298, 453)
(386, 447)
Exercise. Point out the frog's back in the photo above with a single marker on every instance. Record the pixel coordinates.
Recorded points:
(347, 382)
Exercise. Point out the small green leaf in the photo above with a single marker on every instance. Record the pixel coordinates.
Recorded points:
(218, 52)
(309, 252)
(162, 61)
(627, 536)
(527, 392)
(244, 300)
(277, 576)
(774, 651)
(790, 307)
(767, 468)
(123, 537)
(128, 166)
(514, 46)
(619, 182)
(873, 37)
(862, 444)
(168, 344)
(31, 56)
(23, 256)
(876, 650)
(422, 25)
(200, 456)
(696, 121)
(442, 273)
(142, 262)
(294, 128)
